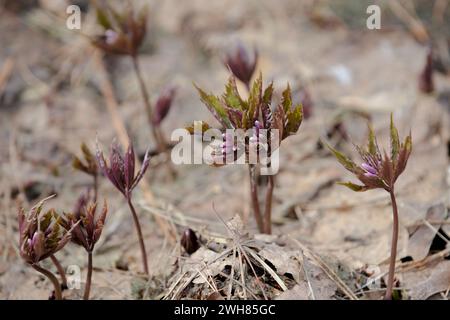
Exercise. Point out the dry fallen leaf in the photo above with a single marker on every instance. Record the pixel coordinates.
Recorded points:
(298, 292)
(438, 281)
(420, 241)
(285, 262)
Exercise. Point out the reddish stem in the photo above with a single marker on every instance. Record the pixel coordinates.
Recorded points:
(87, 288)
(268, 207)
(52, 278)
(140, 237)
(156, 130)
(60, 269)
(390, 283)
(254, 197)
(148, 106)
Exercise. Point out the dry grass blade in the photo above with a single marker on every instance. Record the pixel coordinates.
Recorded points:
(193, 276)
(174, 285)
(268, 268)
(241, 266)
(212, 285)
(230, 288)
(436, 231)
(236, 239)
(311, 290)
(328, 271)
(415, 26)
(232, 280)
(258, 281)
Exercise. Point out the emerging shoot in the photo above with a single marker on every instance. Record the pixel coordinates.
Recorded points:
(380, 170)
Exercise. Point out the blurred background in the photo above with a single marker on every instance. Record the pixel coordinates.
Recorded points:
(56, 91)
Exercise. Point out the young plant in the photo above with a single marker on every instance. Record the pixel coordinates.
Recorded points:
(86, 231)
(189, 241)
(89, 166)
(124, 34)
(380, 170)
(163, 105)
(41, 236)
(426, 83)
(122, 174)
(241, 65)
(255, 115)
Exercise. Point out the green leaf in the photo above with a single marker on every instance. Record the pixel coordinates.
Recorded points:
(287, 99)
(87, 153)
(403, 156)
(215, 106)
(120, 18)
(407, 145)
(372, 146)
(54, 236)
(46, 220)
(395, 142)
(103, 20)
(254, 101)
(201, 126)
(294, 120)
(235, 117)
(78, 164)
(278, 121)
(143, 14)
(343, 160)
(232, 97)
(352, 186)
(267, 96)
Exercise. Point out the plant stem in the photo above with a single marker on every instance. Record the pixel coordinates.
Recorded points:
(60, 269)
(254, 197)
(390, 282)
(52, 278)
(112, 107)
(156, 130)
(268, 207)
(141, 238)
(87, 288)
(148, 106)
